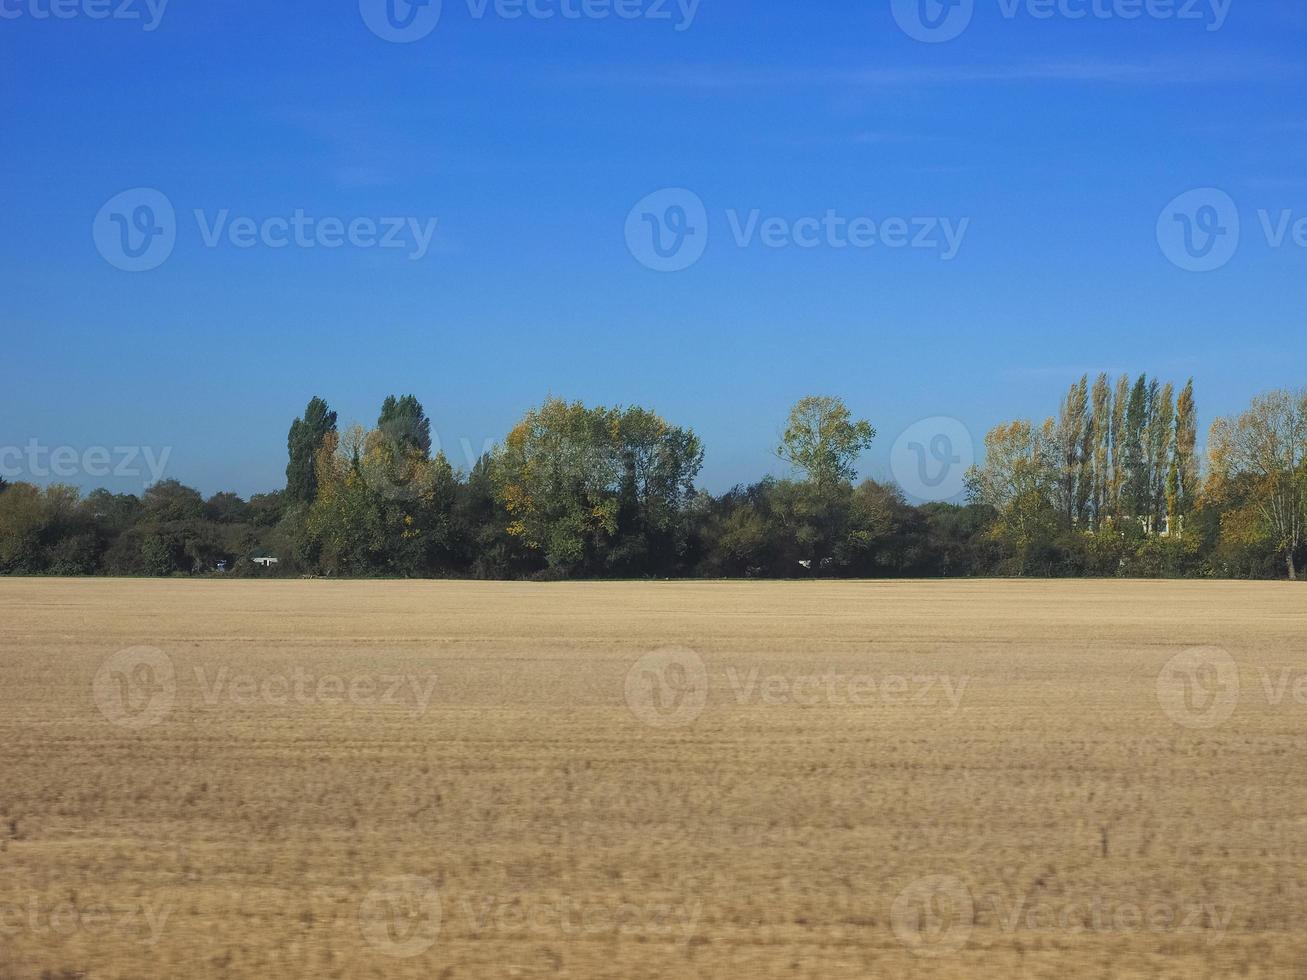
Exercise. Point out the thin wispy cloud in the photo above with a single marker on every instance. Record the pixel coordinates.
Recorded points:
(875, 138)
(1274, 183)
(1189, 71)
(1273, 127)
(369, 147)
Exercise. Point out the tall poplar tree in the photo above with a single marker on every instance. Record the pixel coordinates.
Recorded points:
(1135, 492)
(1161, 418)
(405, 425)
(1069, 437)
(306, 436)
(1101, 424)
(1186, 463)
(1118, 445)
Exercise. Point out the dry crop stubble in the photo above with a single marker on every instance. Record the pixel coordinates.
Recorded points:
(652, 780)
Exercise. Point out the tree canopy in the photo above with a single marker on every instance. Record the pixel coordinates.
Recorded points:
(1113, 484)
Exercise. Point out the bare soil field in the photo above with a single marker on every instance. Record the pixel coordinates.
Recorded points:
(734, 780)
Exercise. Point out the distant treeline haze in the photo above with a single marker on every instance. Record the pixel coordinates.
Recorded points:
(1112, 486)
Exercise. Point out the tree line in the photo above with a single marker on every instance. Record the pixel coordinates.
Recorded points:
(1112, 485)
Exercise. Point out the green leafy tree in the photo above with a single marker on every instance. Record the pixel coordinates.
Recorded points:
(812, 524)
(659, 463)
(1117, 484)
(823, 440)
(112, 513)
(415, 495)
(1185, 462)
(740, 541)
(404, 423)
(169, 501)
(481, 540)
(1160, 438)
(1070, 437)
(226, 508)
(1259, 470)
(1018, 481)
(267, 509)
(305, 440)
(885, 535)
(557, 476)
(22, 521)
(1136, 494)
(1100, 454)
(578, 482)
(959, 540)
(345, 522)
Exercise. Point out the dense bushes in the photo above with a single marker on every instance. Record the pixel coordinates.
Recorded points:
(774, 528)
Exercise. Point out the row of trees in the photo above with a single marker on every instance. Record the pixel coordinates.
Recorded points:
(1112, 485)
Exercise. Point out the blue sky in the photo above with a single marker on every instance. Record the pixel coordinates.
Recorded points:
(1059, 140)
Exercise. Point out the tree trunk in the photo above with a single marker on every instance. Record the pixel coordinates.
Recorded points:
(1293, 569)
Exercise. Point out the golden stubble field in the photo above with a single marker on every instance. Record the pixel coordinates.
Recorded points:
(735, 780)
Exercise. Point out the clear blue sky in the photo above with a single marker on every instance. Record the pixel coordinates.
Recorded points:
(530, 140)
